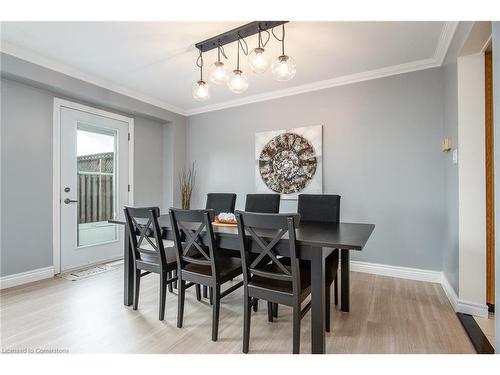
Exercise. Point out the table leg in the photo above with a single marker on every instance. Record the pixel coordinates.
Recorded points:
(318, 302)
(344, 280)
(128, 271)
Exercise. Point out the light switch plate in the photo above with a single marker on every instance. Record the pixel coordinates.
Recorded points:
(455, 156)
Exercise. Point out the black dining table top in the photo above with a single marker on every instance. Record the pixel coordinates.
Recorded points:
(352, 236)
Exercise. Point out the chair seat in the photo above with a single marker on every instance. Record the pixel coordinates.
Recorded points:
(228, 268)
(331, 265)
(279, 285)
(169, 248)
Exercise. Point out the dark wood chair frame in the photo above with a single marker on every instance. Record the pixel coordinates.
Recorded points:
(259, 267)
(147, 261)
(197, 245)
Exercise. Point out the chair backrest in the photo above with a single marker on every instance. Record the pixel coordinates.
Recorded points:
(319, 207)
(263, 203)
(266, 231)
(143, 228)
(190, 227)
(221, 202)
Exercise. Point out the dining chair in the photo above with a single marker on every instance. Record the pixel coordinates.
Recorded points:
(150, 253)
(265, 276)
(263, 203)
(324, 208)
(198, 260)
(221, 202)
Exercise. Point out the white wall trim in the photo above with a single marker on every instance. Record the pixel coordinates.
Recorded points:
(397, 271)
(450, 292)
(436, 60)
(10, 281)
(56, 167)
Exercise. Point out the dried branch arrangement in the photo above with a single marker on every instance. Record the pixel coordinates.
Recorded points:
(186, 180)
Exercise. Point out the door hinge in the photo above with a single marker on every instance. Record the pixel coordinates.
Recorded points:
(129, 136)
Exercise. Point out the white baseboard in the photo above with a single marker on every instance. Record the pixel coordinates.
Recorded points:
(450, 292)
(10, 281)
(396, 271)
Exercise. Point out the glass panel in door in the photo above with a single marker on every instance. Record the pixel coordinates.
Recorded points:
(96, 185)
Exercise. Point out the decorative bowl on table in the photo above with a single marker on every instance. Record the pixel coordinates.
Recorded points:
(225, 218)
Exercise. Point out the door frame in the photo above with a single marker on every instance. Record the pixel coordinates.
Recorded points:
(59, 104)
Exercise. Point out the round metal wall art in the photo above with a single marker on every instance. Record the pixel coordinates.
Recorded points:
(287, 163)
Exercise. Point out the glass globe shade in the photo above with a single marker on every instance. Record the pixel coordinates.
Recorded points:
(284, 68)
(238, 82)
(218, 73)
(201, 91)
(258, 60)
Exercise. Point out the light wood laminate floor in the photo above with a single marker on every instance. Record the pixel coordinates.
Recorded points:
(388, 315)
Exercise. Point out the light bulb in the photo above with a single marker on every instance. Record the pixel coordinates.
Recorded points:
(284, 68)
(218, 73)
(238, 82)
(258, 60)
(201, 91)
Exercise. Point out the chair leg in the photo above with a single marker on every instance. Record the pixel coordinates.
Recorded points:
(137, 284)
(175, 282)
(198, 292)
(205, 291)
(275, 310)
(296, 329)
(256, 305)
(163, 295)
(180, 305)
(336, 290)
(327, 308)
(215, 312)
(170, 287)
(211, 295)
(270, 311)
(247, 315)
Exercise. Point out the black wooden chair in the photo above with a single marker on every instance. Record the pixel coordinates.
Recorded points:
(266, 277)
(198, 260)
(324, 208)
(221, 202)
(150, 253)
(263, 203)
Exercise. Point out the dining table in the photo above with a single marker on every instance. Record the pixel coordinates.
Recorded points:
(314, 241)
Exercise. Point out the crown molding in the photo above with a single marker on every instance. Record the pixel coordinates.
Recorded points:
(444, 41)
(51, 64)
(446, 36)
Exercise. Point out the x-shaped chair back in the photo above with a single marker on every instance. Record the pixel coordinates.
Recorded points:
(189, 227)
(143, 230)
(266, 231)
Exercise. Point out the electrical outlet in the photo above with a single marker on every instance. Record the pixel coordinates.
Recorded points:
(455, 156)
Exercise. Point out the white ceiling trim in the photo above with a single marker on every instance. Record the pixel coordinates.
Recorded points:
(37, 59)
(442, 46)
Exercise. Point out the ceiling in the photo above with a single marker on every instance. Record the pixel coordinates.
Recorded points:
(155, 61)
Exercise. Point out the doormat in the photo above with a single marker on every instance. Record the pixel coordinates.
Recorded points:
(89, 272)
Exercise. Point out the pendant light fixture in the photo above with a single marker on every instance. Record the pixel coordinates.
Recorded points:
(201, 89)
(284, 67)
(258, 60)
(238, 82)
(218, 72)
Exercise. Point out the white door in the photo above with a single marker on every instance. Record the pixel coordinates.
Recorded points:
(94, 160)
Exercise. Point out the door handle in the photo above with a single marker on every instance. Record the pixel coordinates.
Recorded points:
(68, 201)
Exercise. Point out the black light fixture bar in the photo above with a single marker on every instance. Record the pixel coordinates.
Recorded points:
(231, 36)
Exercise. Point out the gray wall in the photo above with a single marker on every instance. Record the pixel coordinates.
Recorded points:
(381, 150)
(450, 130)
(27, 93)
